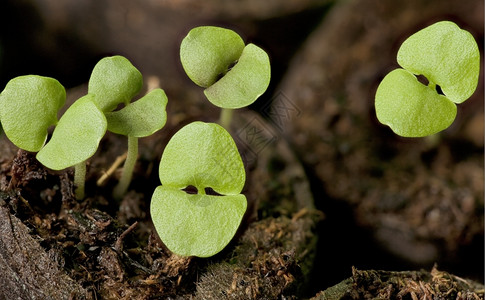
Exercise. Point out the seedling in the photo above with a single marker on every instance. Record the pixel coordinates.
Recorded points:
(75, 139)
(116, 81)
(449, 58)
(233, 74)
(201, 157)
(28, 107)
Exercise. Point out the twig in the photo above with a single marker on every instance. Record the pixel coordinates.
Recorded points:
(119, 241)
(119, 160)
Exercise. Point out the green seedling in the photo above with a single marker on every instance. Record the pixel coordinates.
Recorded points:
(446, 56)
(139, 119)
(233, 74)
(201, 157)
(28, 107)
(116, 81)
(75, 139)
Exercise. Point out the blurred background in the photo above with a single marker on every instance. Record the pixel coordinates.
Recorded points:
(314, 45)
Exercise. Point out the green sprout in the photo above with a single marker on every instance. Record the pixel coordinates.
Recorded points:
(28, 107)
(233, 74)
(201, 158)
(449, 59)
(75, 139)
(116, 81)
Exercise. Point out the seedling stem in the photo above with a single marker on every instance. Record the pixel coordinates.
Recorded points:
(128, 167)
(226, 118)
(79, 179)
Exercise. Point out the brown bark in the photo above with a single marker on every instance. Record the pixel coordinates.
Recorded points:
(26, 270)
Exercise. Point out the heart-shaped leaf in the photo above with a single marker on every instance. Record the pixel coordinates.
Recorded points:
(196, 225)
(140, 118)
(28, 106)
(201, 155)
(446, 55)
(216, 58)
(410, 108)
(76, 136)
(114, 80)
(245, 82)
(207, 52)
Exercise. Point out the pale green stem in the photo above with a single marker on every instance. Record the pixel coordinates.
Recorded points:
(79, 179)
(128, 167)
(226, 118)
(433, 140)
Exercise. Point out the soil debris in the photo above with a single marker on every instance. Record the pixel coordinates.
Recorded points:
(269, 261)
(403, 285)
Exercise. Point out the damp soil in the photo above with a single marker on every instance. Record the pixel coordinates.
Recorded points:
(101, 248)
(420, 201)
(333, 195)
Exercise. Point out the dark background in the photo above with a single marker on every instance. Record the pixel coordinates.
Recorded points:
(65, 39)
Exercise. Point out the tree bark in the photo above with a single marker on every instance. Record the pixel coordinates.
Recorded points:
(26, 270)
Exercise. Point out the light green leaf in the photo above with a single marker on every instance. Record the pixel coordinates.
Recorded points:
(446, 55)
(410, 108)
(245, 82)
(196, 225)
(207, 52)
(28, 106)
(76, 136)
(140, 118)
(114, 80)
(203, 155)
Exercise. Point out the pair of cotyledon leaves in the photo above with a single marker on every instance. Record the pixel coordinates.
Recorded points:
(201, 155)
(29, 106)
(233, 74)
(448, 57)
(204, 155)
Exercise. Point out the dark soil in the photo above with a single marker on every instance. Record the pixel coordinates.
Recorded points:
(59, 248)
(419, 200)
(382, 202)
(403, 285)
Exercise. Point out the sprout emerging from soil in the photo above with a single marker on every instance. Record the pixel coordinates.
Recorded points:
(233, 74)
(199, 206)
(116, 81)
(29, 106)
(449, 59)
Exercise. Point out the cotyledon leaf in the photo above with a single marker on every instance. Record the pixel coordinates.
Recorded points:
(76, 136)
(114, 80)
(140, 118)
(244, 83)
(203, 155)
(410, 108)
(207, 52)
(196, 225)
(446, 55)
(28, 106)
